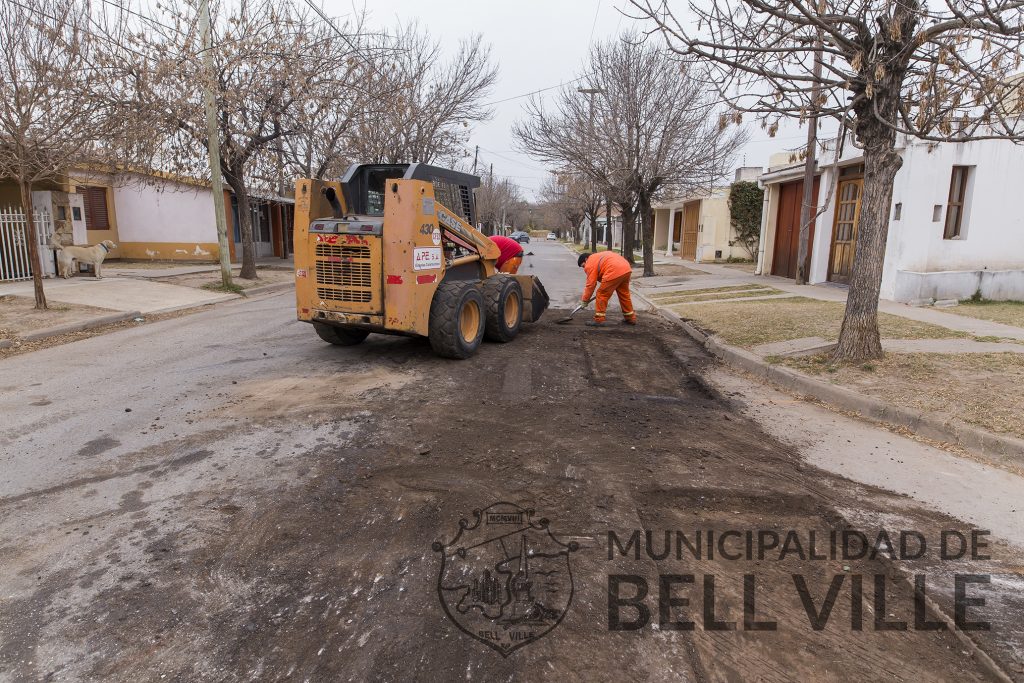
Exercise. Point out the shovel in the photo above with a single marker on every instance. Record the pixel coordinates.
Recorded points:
(568, 319)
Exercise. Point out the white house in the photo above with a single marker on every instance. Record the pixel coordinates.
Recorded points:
(954, 229)
(602, 228)
(156, 216)
(697, 226)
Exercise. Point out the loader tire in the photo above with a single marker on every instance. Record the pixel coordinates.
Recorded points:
(504, 299)
(340, 336)
(457, 319)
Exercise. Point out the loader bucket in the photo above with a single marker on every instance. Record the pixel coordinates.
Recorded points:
(535, 297)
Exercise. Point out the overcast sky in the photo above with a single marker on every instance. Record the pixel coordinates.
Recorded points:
(536, 44)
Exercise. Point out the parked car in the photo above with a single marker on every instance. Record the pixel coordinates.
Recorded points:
(521, 237)
(552, 236)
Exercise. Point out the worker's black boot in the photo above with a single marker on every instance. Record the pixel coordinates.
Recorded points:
(595, 323)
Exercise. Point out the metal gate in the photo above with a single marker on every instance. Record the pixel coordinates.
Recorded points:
(15, 263)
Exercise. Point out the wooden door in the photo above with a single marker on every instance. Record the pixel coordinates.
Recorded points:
(691, 216)
(844, 230)
(677, 226)
(787, 229)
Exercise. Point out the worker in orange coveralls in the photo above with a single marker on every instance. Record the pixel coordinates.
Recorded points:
(608, 272)
(511, 254)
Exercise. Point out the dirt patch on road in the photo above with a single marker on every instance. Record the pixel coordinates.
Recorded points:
(335, 575)
(311, 394)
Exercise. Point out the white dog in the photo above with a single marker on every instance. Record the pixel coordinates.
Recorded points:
(66, 256)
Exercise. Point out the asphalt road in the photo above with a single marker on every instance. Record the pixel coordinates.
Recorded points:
(222, 496)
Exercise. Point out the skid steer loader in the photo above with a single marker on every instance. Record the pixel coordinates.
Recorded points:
(391, 249)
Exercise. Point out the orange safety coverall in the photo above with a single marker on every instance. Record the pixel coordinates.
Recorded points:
(612, 272)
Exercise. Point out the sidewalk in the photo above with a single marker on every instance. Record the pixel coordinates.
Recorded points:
(949, 377)
(119, 294)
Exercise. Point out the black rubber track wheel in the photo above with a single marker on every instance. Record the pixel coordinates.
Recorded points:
(340, 336)
(457, 319)
(504, 299)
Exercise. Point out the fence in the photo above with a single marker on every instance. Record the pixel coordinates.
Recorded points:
(15, 263)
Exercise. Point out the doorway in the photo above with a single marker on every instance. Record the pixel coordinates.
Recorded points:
(691, 216)
(787, 229)
(844, 230)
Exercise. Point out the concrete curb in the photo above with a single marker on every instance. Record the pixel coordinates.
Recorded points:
(195, 304)
(266, 289)
(1004, 449)
(76, 327)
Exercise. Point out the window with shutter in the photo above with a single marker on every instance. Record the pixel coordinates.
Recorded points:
(96, 215)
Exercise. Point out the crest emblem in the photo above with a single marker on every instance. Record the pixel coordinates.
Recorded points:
(505, 579)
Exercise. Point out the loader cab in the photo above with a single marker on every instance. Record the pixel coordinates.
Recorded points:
(364, 186)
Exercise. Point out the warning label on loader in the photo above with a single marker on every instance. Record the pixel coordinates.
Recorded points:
(426, 258)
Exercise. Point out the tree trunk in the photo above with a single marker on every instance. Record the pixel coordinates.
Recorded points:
(593, 232)
(236, 179)
(33, 243)
(859, 339)
(628, 230)
(608, 223)
(803, 252)
(647, 232)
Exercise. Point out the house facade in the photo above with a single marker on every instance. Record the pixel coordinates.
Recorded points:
(697, 226)
(952, 231)
(153, 217)
(602, 228)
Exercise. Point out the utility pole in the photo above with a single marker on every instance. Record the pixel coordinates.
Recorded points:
(807, 205)
(213, 143)
(476, 155)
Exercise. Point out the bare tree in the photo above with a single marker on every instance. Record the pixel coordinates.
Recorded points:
(497, 199)
(654, 131)
(268, 58)
(559, 209)
(433, 102)
(579, 199)
(938, 71)
(344, 103)
(61, 99)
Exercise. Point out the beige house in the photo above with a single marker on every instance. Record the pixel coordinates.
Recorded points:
(697, 227)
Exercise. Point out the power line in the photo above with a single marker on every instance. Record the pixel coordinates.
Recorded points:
(519, 97)
(622, 13)
(514, 161)
(593, 26)
(151, 20)
(337, 30)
